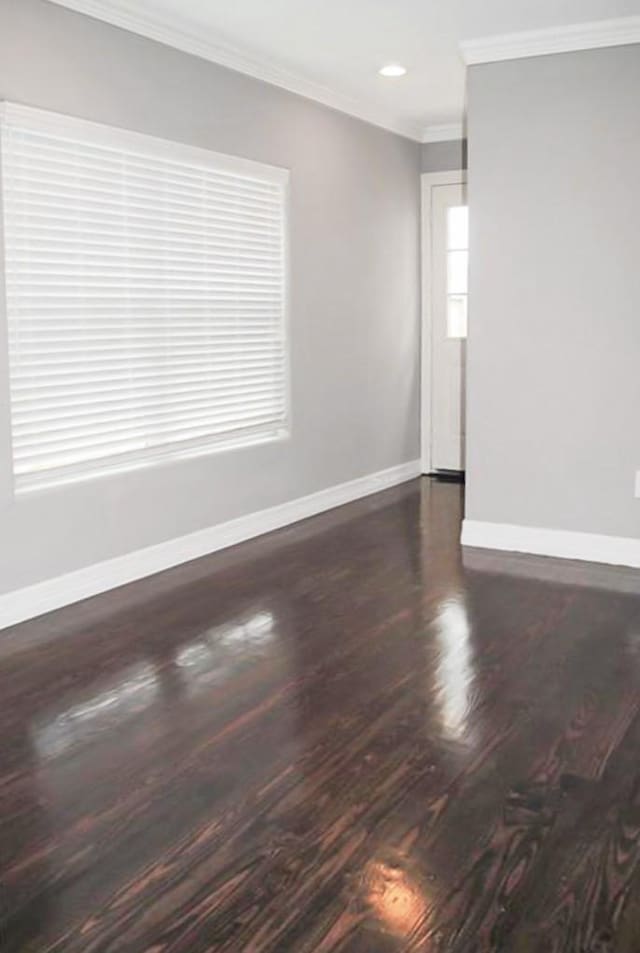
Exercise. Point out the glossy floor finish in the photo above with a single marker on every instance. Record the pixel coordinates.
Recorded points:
(340, 737)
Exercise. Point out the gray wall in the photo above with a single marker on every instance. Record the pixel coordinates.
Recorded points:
(444, 156)
(354, 287)
(554, 333)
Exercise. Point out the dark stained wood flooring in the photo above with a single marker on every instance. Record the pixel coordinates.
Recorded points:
(339, 737)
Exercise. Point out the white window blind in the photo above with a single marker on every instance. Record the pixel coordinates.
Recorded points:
(145, 297)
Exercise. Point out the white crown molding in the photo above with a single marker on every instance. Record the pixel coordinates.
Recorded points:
(562, 39)
(171, 31)
(563, 544)
(32, 601)
(444, 132)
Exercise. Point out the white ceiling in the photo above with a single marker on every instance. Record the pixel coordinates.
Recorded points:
(331, 49)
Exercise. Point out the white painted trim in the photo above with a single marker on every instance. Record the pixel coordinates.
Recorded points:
(563, 544)
(22, 604)
(444, 132)
(428, 181)
(561, 39)
(177, 32)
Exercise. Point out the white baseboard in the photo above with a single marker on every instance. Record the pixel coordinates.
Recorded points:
(563, 544)
(32, 601)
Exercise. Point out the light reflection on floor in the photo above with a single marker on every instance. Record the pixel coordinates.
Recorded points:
(454, 671)
(397, 900)
(205, 661)
(217, 652)
(134, 690)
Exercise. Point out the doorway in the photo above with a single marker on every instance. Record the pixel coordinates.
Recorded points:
(445, 230)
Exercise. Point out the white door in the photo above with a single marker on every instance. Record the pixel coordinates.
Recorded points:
(448, 308)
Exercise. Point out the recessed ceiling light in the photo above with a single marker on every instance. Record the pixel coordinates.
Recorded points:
(392, 69)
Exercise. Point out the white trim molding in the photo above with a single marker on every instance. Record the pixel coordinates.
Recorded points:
(620, 31)
(563, 544)
(428, 181)
(175, 31)
(443, 132)
(32, 601)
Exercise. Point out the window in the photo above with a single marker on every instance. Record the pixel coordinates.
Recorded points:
(457, 269)
(145, 297)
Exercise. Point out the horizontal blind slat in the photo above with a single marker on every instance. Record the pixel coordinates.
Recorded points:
(174, 430)
(32, 401)
(113, 197)
(138, 419)
(31, 246)
(95, 461)
(96, 177)
(34, 477)
(131, 216)
(82, 310)
(70, 362)
(41, 341)
(153, 325)
(133, 402)
(126, 265)
(114, 378)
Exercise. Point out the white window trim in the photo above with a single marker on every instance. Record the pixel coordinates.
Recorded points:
(151, 146)
(428, 181)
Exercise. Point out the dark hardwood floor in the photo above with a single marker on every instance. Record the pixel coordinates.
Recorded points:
(340, 737)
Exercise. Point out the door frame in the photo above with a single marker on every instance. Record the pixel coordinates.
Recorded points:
(429, 180)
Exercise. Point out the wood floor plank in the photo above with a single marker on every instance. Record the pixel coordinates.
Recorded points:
(339, 738)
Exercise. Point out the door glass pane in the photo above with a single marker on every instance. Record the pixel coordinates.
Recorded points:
(457, 316)
(457, 267)
(458, 227)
